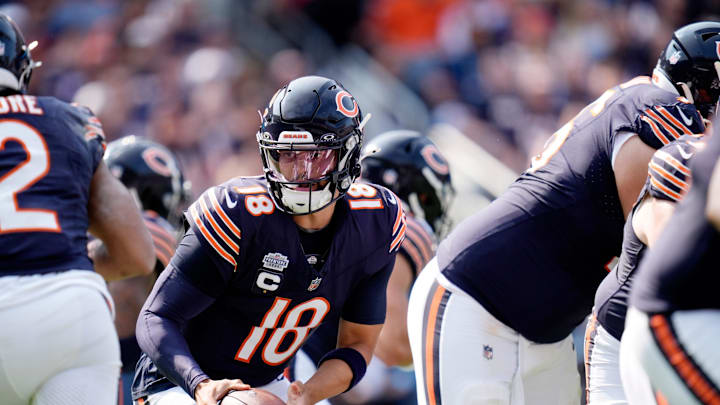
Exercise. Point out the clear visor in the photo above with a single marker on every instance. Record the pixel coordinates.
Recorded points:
(300, 166)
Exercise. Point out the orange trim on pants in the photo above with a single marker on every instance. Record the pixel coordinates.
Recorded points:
(688, 371)
(431, 395)
(587, 350)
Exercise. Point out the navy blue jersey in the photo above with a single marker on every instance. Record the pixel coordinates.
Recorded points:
(535, 256)
(681, 271)
(49, 151)
(668, 179)
(263, 297)
(418, 248)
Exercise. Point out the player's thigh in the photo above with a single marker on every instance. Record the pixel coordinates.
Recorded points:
(602, 367)
(467, 356)
(549, 372)
(67, 328)
(90, 385)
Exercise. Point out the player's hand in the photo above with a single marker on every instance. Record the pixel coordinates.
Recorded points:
(297, 394)
(209, 392)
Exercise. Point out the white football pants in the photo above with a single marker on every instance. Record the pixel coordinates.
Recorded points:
(58, 344)
(463, 355)
(602, 366)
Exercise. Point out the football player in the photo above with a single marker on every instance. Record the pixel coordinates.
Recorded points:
(669, 351)
(154, 178)
(517, 277)
(59, 344)
(410, 165)
(266, 259)
(667, 182)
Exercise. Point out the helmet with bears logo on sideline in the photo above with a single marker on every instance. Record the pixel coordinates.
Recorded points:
(310, 139)
(151, 173)
(691, 61)
(16, 64)
(409, 164)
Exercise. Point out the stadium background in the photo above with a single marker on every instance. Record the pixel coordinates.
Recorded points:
(488, 80)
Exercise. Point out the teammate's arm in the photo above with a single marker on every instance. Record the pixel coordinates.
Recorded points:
(712, 208)
(651, 217)
(126, 248)
(393, 346)
(631, 171)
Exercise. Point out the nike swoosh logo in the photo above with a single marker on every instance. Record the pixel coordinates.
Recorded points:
(230, 203)
(686, 120)
(683, 153)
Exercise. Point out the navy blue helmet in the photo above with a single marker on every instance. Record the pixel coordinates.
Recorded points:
(310, 140)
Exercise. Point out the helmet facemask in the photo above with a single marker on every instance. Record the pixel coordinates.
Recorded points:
(306, 172)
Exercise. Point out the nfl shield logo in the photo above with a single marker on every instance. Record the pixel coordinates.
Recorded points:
(487, 352)
(314, 284)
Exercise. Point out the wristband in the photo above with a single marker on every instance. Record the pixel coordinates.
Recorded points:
(352, 358)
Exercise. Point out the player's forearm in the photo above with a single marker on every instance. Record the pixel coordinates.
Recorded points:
(171, 304)
(332, 378)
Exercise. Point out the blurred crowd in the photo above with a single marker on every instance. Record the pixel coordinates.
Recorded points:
(192, 74)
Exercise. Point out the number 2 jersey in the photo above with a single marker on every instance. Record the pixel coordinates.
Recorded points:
(241, 296)
(49, 151)
(535, 256)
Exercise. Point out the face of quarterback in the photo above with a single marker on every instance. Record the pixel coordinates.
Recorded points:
(302, 166)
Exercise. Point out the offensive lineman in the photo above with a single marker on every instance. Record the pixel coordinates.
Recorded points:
(668, 181)
(669, 350)
(517, 277)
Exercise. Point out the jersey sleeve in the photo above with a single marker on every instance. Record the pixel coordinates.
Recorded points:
(399, 227)
(419, 244)
(668, 170)
(213, 220)
(87, 126)
(661, 124)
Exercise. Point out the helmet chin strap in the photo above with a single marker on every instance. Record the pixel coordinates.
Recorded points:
(686, 90)
(364, 122)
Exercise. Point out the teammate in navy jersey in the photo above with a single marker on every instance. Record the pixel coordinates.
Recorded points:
(667, 182)
(59, 344)
(410, 165)
(153, 176)
(520, 275)
(669, 349)
(266, 259)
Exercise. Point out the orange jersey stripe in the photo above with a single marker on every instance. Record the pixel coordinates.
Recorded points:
(669, 159)
(663, 123)
(668, 176)
(675, 196)
(665, 113)
(209, 238)
(658, 133)
(226, 220)
(430, 343)
(685, 368)
(218, 230)
(398, 219)
(399, 238)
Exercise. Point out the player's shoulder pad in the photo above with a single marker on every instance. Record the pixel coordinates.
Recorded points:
(669, 169)
(381, 209)
(667, 118)
(163, 236)
(81, 121)
(419, 244)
